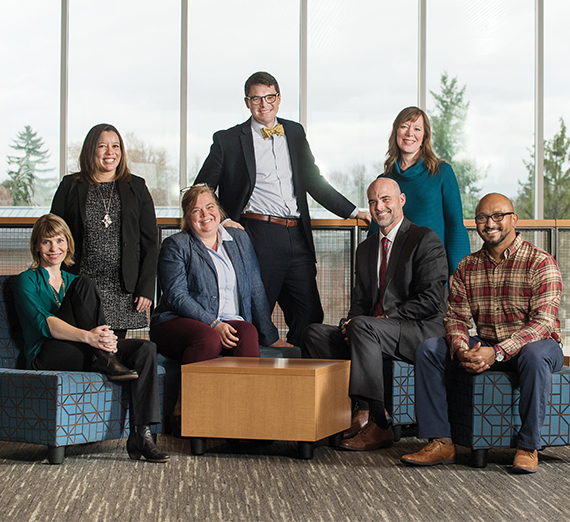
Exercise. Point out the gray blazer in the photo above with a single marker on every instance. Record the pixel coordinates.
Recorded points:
(189, 282)
(415, 284)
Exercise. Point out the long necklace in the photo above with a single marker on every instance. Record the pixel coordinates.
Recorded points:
(106, 218)
(55, 293)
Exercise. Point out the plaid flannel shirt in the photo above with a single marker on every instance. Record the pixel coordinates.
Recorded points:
(512, 302)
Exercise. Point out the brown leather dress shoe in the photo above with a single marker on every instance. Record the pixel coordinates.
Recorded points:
(369, 438)
(436, 452)
(526, 461)
(359, 420)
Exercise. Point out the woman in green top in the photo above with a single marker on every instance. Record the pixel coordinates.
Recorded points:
(64, 329)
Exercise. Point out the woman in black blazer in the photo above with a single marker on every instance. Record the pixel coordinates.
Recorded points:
(111, 216)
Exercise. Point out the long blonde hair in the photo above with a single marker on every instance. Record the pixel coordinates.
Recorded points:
(431, 161)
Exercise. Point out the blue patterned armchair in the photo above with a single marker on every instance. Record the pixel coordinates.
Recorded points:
(55, 408)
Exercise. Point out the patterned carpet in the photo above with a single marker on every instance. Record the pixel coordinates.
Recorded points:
(248, 482)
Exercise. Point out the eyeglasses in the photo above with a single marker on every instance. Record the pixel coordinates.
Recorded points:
(185, 189)
(496, 217)
(256, 100)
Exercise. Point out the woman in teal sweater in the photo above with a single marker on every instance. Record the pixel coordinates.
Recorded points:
(432, 193)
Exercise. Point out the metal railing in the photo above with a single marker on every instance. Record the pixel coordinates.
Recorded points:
(335, 242)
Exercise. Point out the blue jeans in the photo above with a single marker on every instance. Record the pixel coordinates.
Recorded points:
(534, 365)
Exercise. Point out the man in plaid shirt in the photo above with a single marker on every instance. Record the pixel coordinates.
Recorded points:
(511, 290)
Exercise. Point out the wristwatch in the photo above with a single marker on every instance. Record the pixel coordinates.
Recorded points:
(499, 356)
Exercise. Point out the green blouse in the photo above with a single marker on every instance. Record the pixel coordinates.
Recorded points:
(35, 302)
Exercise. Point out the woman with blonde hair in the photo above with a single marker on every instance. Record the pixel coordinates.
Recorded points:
(64, 328)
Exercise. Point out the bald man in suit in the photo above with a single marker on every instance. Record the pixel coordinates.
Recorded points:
(397, 302)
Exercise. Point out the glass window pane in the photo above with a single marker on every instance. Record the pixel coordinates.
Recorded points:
(488, 45)
(362, 72)
(124, 69)
(556, 109)
(223, 51)
(29, 97)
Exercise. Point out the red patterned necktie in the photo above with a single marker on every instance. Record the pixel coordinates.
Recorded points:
(378, 309)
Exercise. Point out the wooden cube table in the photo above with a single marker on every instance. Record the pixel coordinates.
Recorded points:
(302, 400)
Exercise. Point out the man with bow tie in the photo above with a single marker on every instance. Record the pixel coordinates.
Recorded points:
(263, 170)
(397, 302)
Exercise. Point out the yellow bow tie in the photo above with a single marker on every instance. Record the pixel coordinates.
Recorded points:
(278, 129)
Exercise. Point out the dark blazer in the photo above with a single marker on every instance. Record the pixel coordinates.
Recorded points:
(189, 282)
(139, 234)
(230, 167)
(415, 284)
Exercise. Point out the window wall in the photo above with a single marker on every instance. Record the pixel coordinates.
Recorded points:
(359, 60)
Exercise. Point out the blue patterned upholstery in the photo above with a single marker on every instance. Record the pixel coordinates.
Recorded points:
(52, 407)
(484, 414)
(403, 393)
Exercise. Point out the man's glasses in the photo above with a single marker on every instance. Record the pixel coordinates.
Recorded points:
(256, 100)
(497, 217)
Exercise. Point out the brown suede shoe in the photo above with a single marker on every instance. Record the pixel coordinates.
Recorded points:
(359, 420)
(526, 461)
(436, 452)
(369, 438)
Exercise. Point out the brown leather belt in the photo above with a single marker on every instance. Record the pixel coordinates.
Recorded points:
(286, 222)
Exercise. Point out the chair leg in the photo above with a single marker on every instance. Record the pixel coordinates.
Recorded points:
(397, 430)
(479, 458)
(56, 454)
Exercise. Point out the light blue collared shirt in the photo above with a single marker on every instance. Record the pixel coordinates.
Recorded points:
(227, 283)
(273, 193)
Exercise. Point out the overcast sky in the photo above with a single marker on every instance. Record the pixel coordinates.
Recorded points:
(124, 69)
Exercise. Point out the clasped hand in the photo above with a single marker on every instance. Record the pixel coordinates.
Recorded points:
(102, 338)
(477, 359)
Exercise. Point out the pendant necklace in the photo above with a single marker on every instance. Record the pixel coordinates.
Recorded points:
(106, 218)
(55, 293)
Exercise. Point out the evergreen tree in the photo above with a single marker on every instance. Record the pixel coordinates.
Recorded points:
(24, 183)
(448, 126)
(556, 179)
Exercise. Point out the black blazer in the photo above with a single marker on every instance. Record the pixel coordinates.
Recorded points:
(139, 234)
(230, 168)
(415, 284)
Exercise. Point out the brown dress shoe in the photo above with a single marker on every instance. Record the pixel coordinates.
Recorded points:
(369, 438)
(359, 420)
(436, 452)
(526, 461)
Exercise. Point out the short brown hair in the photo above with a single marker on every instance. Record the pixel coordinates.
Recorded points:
(189, 201)
(431, 161)
(260, 78)
(46, 227)
(87, 162)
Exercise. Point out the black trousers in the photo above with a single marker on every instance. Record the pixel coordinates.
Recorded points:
(288, 272)
(81, 307)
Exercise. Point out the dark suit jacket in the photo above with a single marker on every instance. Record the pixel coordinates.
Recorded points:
(230, 167)
(139, 241)
(415, 283)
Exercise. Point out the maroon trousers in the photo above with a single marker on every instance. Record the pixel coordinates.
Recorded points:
(188, 340)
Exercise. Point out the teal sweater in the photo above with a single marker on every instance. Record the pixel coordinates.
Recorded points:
(434, 202)
(34, 304)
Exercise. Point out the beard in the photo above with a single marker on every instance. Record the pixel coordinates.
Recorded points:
(496, 241)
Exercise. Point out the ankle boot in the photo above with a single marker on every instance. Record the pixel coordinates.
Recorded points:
(108, 364)
(140, 442)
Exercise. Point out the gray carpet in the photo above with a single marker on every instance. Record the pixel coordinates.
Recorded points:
(248, 482)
